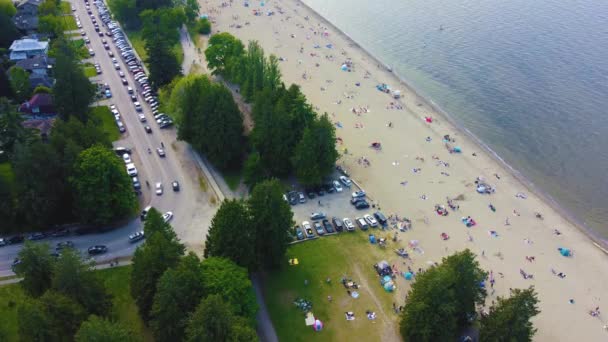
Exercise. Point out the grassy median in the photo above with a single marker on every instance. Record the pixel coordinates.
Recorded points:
(103, 114)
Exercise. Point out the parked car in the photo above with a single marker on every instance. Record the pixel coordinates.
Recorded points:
(319, 228)
(301, 197)
(355, 200)
(127, 158)
(138, 236)
(329, 188)
(381, 218)
(317, 216)
(158, 188)
(348, 224)
(61, 232)
(136, 183)
(98, 249)
(370, 220)
(167, 216)
(15, 239)
(36, 236)
(161, 152)
(358, 194)
(347, 182)
(337, 186)
(122, 150)
(362, 205)
(338, 224)
(131, 170)
(175, 186)
(308, 230)
(144, 213)
(328, 227)
(362, 223)
(299, 233)
(3, 242)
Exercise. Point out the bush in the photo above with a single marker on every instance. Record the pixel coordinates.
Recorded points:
(203, 26)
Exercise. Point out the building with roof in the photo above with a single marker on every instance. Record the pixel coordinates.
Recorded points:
(43, 80)
(27, 48)
(39, 65)
(26, 18)
(43, 126)
(39, 105)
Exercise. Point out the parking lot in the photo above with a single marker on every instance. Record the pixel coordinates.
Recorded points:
(335, 204)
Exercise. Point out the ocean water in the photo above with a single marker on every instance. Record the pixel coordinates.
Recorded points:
(528, 78)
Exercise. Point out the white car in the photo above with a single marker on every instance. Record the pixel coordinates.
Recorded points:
(131, 170)
(337, 186)
(371, 220)
(136, 236)
(167, 216)
(348, 224)
(347, 182)
(127, 158)
(159, 188)
(142, 117)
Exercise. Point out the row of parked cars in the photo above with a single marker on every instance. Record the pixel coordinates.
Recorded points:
(334, 186)
(322, 226)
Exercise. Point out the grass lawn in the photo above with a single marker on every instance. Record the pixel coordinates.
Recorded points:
(233, 178)
(107, 120)
(89, 70)
(69, 23)
(117, 283)
(139, 45)
(6, 172)
(345, 255)
(66, 8)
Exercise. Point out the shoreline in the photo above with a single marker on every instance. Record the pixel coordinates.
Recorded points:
(598, 241)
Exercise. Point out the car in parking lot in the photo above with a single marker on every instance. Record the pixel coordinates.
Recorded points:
(165, 124)
(36, 236)
(108, 93)
(362, 223)
(131, 170)
(329, 188)
(299, 233)
(175, 186)
(358, 194)
(136, 183)
(167, 216)
(301, 197)
(148, 129)
(381, 218)
(317, 216)
(127, 158)
(361, 205)
(328, 227)
(370, 220)
(91, 52)
(319, 228)
(137, 236)
(347, 182)
(122, 150)
(348, 224)
(308, 230)
(144, 213)
(337, 186)
(161, 152)
(15, 239)
(338, 224)
(98, 249)
(158, 188)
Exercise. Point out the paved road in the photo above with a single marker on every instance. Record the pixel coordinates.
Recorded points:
(190, 206)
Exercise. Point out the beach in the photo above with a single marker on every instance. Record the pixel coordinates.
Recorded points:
(414, 170)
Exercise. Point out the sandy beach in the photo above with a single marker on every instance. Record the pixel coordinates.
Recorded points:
(414, 171)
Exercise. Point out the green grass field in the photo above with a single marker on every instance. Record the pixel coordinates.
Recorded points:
(345, 255)
(66, 8)
(89, 70)
(6, 173)
(69, 23)
(108, 122)
(117, 283)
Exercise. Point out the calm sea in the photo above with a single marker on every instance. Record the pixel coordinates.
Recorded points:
(527, 77)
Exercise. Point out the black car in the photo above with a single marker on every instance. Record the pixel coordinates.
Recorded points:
(311, 193)
(98, 249)
(338, 224)
(36, 236)
(148, 129)
(328, 227)
(355, 200)
(329, 188)
(15, 239)
(175, 185)
(361, 205)
(381, 218)
(292, 196)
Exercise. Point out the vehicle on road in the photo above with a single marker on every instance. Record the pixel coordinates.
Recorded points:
(167, 216)
(319, 228)
(148, 129)
(138, 236)
(98, 249)
(308, 230)
(299, 233)
(337, 186)
(142, 117)
(347, 182)
(161, 152)
(175, 186)
(348, 224)
(144, 213)
(370, 220)
(159, 188)
(3, 242)
(317, 216)
(36, 236)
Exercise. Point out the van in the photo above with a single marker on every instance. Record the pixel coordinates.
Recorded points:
(380, 217)
(362, 223)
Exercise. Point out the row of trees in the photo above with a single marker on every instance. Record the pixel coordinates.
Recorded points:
(209, 119)
(182, 298)
(253, 233)
(65, 299)
(288, 135)
(443, 301)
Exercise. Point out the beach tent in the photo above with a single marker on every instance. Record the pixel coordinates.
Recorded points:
(565, 251)
(318, 325)
(344, 67)
(408, 275)
(387, 283)
(372, 238)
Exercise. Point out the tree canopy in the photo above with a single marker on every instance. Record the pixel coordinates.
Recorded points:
(96, 329)
(20, 82)
(35, 267)
(509, 319)
(102, 188)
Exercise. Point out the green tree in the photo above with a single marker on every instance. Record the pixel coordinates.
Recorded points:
(212, 321)
(225, 278)
(271, 219)
(126, 13)
(231, 234)
(440, 297)
(42, 90)
(11, 127)
(509, 319)
(64, 314)
(72, 277)
(48, 7)
(177, 293)
(96, 329)
(242, 331)
(39, 184)
(8, 32)
(315, 155)
(5, 85)
(7, 8)
(20, 82)
(34, 322)
(223, 54)
(152, 4)
(191, 9)
(150, 262)
(254, 171)
(51, 24)
(72, 92)
(35, 268)
(203, 26)
(162, 62)
(102, 188)
(252, 78)
(7, 207)
(156, 224)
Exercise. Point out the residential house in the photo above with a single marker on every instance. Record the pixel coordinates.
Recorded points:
(27, 48)
(39, 105)
(39, 65)
(44, 126)
(26, 18)
(43, 80)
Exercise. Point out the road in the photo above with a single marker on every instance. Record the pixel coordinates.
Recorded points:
(191, 207)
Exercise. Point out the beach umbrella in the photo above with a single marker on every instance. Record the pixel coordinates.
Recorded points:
(408, 275)
(344, 67)
(389, 286)
(564, 251)
(318, 325)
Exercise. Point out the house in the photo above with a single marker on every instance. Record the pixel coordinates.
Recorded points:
(44, 126)
(39, 105)
(27, 48)
(43, 80)
(26, 18)
(38, 65)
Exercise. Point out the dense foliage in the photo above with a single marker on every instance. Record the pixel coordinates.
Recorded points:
(96, 329)
(509, 319)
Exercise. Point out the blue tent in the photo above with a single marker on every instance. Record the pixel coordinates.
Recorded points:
(565, 252)
(372, 238)
(408, 275)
